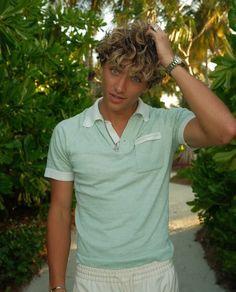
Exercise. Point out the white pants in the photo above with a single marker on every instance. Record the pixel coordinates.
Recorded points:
(154, 277)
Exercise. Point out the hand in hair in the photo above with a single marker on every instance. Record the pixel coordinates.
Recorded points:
(163, 45)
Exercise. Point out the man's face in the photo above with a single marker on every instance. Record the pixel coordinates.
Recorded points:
(120, 89)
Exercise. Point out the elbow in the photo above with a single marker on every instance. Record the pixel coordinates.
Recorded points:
(229, 134)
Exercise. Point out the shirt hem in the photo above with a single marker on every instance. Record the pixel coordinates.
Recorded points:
(58, 175)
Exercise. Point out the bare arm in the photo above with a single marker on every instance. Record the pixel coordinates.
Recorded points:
(214, 124)
(59, 231)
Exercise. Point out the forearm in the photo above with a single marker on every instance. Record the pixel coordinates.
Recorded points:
(214, 124)
(58, 244)
(213, 116)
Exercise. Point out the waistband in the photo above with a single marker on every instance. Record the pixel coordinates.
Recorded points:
(115, 275)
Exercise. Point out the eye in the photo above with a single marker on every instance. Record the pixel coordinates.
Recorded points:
(136, 79)
(114, 71)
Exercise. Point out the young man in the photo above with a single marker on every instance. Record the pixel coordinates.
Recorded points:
(117, 155)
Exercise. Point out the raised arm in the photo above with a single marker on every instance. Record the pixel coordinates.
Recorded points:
(59, 231)
(214, 124)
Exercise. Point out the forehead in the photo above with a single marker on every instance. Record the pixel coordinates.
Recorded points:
(126, 66)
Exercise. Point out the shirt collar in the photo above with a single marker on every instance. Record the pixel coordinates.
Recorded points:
(143, 109)
(93, 114)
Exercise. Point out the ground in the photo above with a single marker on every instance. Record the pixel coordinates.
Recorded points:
(223, 279)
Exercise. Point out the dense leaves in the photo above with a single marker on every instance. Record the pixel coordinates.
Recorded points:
(19, 260)
(215, 202)
(44, 79)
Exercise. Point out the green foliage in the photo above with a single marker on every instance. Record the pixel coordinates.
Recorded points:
(215, 202)
(44, 64)
(232, 15)
(214, 171)
(12, 28)
(223, 80)
(43, 79)
(226, 160)
(184, 173)
(22, 246)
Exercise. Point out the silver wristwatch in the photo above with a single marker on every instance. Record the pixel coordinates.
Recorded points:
(176, 61)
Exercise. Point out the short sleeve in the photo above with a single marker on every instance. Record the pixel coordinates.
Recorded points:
(58, 164)
(182, 118)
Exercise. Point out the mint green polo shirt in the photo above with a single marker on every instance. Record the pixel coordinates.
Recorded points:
(121, 184)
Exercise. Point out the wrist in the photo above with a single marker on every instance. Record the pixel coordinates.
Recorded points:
(165, 62)
(174, 62)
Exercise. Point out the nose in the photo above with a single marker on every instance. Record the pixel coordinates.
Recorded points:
(120, 84)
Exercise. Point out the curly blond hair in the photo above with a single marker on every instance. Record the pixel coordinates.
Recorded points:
(131, 44)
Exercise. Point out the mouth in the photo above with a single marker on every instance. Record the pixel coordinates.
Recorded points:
(116, 98)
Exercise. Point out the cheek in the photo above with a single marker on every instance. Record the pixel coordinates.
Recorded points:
(103, 80)
(138, 91)
(143, 89)
(105, 84)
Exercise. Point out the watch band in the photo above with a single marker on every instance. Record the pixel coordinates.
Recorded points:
(176, 61)
(57, 288)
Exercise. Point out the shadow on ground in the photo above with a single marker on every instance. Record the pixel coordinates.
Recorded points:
(193, 271)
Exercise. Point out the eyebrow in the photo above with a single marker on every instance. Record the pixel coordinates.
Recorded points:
(131, 74)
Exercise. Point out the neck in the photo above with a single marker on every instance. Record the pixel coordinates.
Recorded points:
(116, 116)
(119, 119)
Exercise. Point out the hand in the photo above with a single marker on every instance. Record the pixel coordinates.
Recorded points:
(163, 46)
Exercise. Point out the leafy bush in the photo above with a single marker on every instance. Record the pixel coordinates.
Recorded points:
(21, 250)
(45, 51)
(43, 79)
(215, 202)
(214, 171)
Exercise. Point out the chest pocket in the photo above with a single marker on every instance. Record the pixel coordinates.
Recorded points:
(149, 152)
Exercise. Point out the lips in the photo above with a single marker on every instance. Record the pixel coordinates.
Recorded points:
(116, 98)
